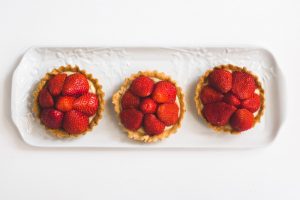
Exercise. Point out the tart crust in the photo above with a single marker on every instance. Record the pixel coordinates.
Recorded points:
(140, 136)
(202, 82)
(60, 133)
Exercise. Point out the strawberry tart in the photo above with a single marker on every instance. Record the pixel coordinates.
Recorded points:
(68, 101)
(150, 106)
(230, 98)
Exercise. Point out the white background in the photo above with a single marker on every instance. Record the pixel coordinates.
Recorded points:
(268, 173)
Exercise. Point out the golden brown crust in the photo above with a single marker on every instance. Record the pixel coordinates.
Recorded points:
(203, 80)
(59, 132)
(140, 136)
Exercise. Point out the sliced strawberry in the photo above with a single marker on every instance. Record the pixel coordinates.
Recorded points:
(45, 99)
(242, 120)
(209, 95)
(152, 125)
(219, 113)
(243, 85)
(87, 104)
(148, 105)
(56, 83)
(231, 99)
(168, 113)
(164, 92)
(142, 86)
(131, 118)
(221, 80)
(252, 104)
(129, 100)
(64, 103)
(75, 122)
(75, 85)
(51, 118)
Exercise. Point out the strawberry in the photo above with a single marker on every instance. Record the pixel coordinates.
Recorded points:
(164, 92)
(242, 120)
(131, 118)
(56, 83)
(142, 86)
(87, 104)
(152, 125)
(221, 80)
(243, 85)
(65, 103)
(231, 99)
(45, 99)
(148, 105)
(75, 122)
(52, 118)
(168, 113)
(218, 113)
(209, 95)
(75, 85)
(252, 104)
(129, 100)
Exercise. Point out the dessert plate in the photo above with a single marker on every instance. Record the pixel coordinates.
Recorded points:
(185, 65)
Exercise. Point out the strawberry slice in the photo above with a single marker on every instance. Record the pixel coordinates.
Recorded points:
(129, 100)
(148, 105)
(152, 125)
(65, 103)
(168, 113)
(55, 84)
(219, 113)
(142, 86)
(87, 104)
(75, 122)
(243, 85)
(52, 118)
(131, 118)
(75, 85)
(164, 92)
(242, 120)
(221, 80)
(252, 104)
(209, 95)
(45, 99)
(231, 99)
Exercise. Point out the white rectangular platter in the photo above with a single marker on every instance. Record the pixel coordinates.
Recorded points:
(112, 65)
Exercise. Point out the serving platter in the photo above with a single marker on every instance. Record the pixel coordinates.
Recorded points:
(112, 65)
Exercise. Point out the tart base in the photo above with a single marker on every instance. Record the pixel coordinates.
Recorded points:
(60, 133)
(140, 136)
(199, 105)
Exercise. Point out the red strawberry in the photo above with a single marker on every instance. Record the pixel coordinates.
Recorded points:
(243, 85)
(221, 80)
(56, 84)
(131, 118)
(218, 113)
(75, 122)
(45, 99)
(87, 104)
(164, 92)
(168, 113)
(52, 118)
(142, 86)
(209, 95)
(152, 125)
(75, 85)
(148, 105)
(129, 100)
(65, 103)
(242, 120)
(231, 99)
(252, 104)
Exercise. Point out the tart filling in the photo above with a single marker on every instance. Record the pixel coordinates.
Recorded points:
(140, 133)
(65, 104)
(227, 102)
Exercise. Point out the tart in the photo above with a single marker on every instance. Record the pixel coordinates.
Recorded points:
(230, 98)
(68, 102)
(150, 106)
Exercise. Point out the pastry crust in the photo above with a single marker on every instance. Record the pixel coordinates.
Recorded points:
(203, 81)
(138, 135)
(60, 133)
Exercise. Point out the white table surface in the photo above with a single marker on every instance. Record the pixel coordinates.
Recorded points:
(34, 173)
